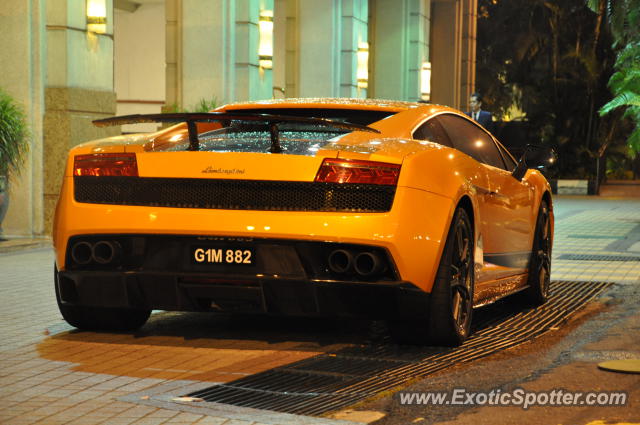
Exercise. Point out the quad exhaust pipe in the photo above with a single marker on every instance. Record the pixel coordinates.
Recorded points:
(81, 253)
(365, 264)
(101, 252)
(340, 261)
(105, 252)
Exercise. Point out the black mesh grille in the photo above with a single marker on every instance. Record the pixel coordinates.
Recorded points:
(233, 194)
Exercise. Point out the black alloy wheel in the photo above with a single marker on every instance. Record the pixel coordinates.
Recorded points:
(451, 300)
(451, 304)
(540, 262)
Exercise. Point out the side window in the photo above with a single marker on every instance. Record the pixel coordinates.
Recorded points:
(433, 132)
(472, 140)
(508, 159)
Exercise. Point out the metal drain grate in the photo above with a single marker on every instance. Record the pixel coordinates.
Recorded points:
(590, 257)
(334, 380)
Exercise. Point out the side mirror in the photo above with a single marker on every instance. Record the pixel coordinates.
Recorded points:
(534, 156)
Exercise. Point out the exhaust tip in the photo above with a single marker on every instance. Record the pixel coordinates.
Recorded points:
(367, 264)
(82, 253)
(340, 261)
(105, 252)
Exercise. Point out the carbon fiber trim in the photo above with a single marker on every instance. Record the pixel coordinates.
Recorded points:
(265, 195)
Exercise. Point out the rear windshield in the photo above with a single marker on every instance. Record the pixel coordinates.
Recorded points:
(243, 136)
(295, 138)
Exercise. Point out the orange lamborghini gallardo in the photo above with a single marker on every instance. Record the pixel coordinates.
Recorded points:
(403, 211)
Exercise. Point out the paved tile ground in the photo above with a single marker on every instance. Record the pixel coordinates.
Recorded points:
(51, 374)
(597, 227)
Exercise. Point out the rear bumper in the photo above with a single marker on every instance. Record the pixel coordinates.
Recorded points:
(289, 297)
(284, 277)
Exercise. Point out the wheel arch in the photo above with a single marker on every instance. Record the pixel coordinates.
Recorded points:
(546, 196)
(465, 202)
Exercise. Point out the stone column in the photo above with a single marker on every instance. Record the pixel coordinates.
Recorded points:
(79, 89)
(292, 43)
(22, 66)
(400, 46)
(252, 81)
(280, 41)
(322, 43)
(453, 48)
(468, 60)
(355, 28)
(139, 62)
(212, 51)
(200, 50)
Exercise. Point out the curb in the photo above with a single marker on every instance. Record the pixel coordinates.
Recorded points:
(17, 245)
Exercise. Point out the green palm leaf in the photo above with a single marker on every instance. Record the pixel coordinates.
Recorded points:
(625, 98)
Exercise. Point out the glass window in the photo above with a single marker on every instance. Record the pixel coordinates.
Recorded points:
(248, 136)
(433, 132)
(471, 139)
(508, 159)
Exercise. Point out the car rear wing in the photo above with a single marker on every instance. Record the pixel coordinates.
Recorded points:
(191, 118)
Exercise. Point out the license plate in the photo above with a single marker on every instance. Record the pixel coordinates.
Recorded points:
(226, 256)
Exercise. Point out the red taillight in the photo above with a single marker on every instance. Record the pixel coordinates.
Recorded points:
(354, 171)
(106, 164)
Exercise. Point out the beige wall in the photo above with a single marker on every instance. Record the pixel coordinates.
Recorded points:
(75, 57)
(79, 89)
(63, 76)
(22, 71)
(67, 122)
(139, 62)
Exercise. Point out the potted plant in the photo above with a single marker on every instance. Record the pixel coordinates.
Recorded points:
(14, 143)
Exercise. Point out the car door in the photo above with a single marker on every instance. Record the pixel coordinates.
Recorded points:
(505, 203)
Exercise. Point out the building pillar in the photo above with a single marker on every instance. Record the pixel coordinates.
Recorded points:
(79, 89)
(212, 51)
(252, 81)
(22, 55)
(200, 51)
(469, 39)
(280, 41)
(400, 39)
(323, 38)
(453, 44)
(355, 42)
(291, 36)
(139, 62)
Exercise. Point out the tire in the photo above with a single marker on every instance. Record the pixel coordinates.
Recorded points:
(100, 318)
(451, 301)
(540, 262)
